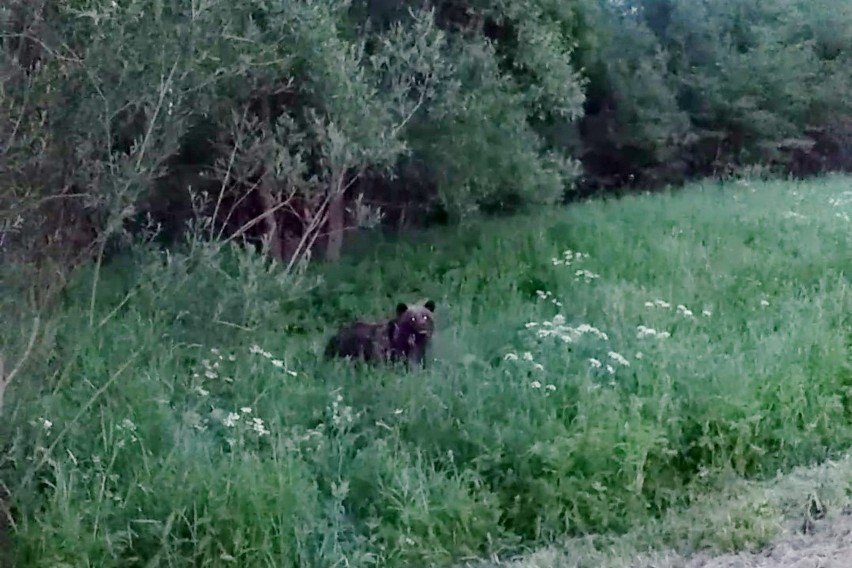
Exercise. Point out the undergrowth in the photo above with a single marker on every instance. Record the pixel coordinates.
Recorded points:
(594, 367)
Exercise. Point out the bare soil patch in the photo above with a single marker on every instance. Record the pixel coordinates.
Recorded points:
(799, 520)
(828, 544)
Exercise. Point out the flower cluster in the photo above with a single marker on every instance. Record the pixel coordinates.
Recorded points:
(569, 257)
(278, 363)
(210, 370)
(527, 357)
(237, 424)
(255, 424)
(341, 414)
(566, 333)
(558, 329)
(643, 331)
(128, 432)
(548, 297)
(44, 423)
(617, 358)
(586, 275)
(680, 308)
(215, 368)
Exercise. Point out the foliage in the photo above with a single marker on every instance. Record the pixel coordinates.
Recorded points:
(694, 88)
(268, 121)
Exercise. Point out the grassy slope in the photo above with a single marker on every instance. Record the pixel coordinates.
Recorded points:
(789, 521)
(481, 453)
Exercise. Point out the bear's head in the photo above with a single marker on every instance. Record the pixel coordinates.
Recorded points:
(415, 322)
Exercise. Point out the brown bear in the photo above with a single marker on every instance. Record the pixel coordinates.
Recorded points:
(400, 339)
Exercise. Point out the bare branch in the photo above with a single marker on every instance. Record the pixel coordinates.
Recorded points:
(6, 380)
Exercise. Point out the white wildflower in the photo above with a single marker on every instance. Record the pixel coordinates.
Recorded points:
(587, 274)
(683, 310)
(245, 410)
(528, 356)
(201, 391)
(231, 420)
(46, 424)
(586, 328)
(258, 427)
(256, 350)
(664, 335)
(510, 357)
(550, 387)
(535, 385)
(595, 363)
(706, 313)
(618, 358)
(538, 366)
(764, 303)
(644, 331)
(278, 363)
(610, 369)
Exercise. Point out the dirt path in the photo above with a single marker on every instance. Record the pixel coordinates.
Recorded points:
(799, 520)
(828, 546)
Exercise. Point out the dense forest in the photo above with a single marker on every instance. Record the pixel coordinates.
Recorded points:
(292, 123)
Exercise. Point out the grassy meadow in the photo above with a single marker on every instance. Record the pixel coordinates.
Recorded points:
(595, 367)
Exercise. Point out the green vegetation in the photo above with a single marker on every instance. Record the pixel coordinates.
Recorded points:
(171, 171)
(180, 415)
(295, 121)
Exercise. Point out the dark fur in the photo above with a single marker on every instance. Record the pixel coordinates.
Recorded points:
(403, 338)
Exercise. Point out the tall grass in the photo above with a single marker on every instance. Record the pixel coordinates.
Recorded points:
(695, 335)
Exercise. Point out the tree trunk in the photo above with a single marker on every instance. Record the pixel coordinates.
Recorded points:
(335, 220)
(276, 249)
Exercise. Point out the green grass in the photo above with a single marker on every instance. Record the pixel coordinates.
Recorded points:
(482, 453)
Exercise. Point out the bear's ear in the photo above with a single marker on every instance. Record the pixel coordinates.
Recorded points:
(429, 305)
(401, 308)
